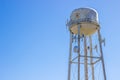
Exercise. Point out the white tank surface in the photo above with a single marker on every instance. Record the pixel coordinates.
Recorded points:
(86, 18)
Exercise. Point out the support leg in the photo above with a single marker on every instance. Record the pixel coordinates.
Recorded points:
(78, 52)
(99, 37)
(70, 56)
(91, 59)
(85, 59)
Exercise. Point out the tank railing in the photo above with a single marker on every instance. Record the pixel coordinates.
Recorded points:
(80, 20)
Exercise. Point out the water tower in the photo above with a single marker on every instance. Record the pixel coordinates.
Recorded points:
(86, 60)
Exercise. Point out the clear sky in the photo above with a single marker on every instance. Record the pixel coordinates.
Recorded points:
(34, 41)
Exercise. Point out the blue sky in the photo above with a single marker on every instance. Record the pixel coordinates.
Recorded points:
(34, 41)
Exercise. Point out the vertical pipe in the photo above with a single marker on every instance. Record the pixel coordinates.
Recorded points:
(102, 58)
(85, 59)
(91, 59)
(78, 52)
(70, 56)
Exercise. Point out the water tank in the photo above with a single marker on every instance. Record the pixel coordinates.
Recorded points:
(86, 18)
